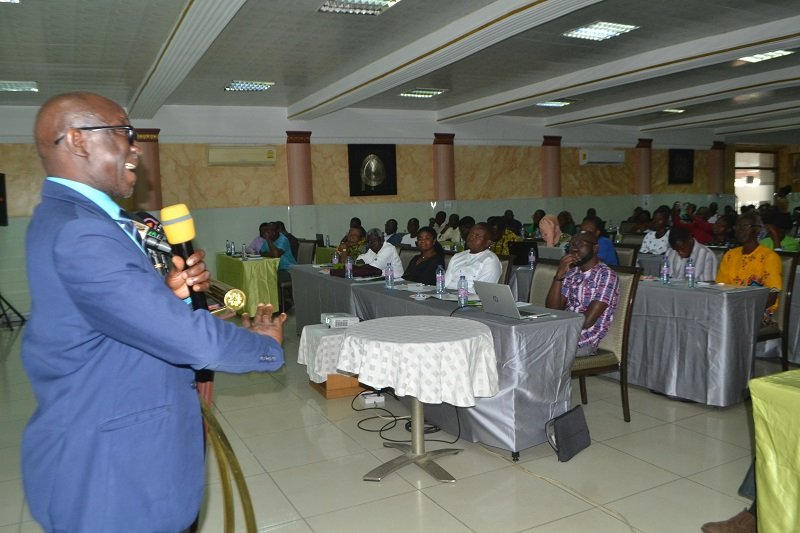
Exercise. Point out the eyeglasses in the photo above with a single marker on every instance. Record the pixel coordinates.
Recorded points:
(131, 131)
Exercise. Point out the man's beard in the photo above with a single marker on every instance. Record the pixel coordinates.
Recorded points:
(583, 260)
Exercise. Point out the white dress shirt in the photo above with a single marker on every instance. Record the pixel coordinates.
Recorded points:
(409, 240)
(450, 234)
(705, 263)
(483, 266)
(387, 254)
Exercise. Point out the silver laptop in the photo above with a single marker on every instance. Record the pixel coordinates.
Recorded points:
(498, 300)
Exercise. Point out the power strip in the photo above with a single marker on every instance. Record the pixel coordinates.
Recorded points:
(372, 399)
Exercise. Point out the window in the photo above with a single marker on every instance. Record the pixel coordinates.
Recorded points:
(754, 178)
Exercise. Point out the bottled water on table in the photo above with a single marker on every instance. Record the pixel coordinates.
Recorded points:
(463, 291)
(244, 252)
(531, 259)
(440, 279)
(665, 271)
(228, 247)
(389, 276)
(690, 272)
(348, 268)
(335, 258)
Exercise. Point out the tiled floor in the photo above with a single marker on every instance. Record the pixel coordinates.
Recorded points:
(674, 467)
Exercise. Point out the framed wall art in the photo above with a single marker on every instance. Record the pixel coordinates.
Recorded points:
(373, 169)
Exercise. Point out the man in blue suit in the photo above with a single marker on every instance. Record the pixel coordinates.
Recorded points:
(116, 441)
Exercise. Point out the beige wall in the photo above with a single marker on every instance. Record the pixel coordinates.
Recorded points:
(24, 174)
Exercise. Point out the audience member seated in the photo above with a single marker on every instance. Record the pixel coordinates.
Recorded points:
(410, 238)
(722, 232)
(501, 236)
(533, 229)
(698, 226)
(713, 214)
(682, 247)
(293, 242)
(550, 230)
(353, 245)
(391, 236)
(584, 284)
(566, 223)
(260, 242)
(355, 222)
(656, 239)
(642, 222)
(752, 263)
(512, 223)
(277, 245)
(777, 226)
(464, 227)
(381, 253)
(437, 222)
(477, 262)
(422, 268)
(605, 248)
(450, 230)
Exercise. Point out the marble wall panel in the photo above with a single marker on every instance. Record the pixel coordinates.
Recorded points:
(496, 172)
(24, 176)
(660, 174)
(596, 180)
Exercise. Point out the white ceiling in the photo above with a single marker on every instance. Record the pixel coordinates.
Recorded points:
(494, 57)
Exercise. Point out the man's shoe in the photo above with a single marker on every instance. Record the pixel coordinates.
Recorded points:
(743, 522)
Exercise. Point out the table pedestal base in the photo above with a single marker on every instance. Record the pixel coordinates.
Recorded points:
(415, 452)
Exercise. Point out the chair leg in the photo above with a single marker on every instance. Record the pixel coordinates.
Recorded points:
(584, 396)
(785, 352)
(623, 384)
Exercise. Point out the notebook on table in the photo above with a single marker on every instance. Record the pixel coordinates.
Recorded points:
(498, 300)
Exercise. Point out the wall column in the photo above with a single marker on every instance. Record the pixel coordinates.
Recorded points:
(298, 163)
(716, 168)
(147, 194)
(643, 164)
(550, 166)
(444, 167)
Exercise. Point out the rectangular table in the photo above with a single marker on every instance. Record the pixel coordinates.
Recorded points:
(696, 344)
(534, 358)
(258, 278)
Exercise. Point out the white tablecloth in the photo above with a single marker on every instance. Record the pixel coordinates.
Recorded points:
(319, 351)
(435, 359)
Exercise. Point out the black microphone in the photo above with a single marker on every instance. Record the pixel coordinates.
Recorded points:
(179, 228)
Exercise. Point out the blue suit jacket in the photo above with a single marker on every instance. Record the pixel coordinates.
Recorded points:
(116, 441)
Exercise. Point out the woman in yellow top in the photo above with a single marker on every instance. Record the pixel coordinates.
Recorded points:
(751, 263)
(501, 236)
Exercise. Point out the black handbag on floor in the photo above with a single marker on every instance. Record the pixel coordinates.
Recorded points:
(568, 433)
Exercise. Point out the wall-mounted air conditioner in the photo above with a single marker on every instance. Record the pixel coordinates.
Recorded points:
(598, 156)
(241, 155)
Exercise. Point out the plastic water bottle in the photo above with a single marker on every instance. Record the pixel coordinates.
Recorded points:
(227, 247)
(531, 259)
(690, 272)
(440, 279)
(389, 276)
(327, 241)
(335, 258)
(665, 271)
(463, 291)
(522, 233)
(348, 268)
(244, 252)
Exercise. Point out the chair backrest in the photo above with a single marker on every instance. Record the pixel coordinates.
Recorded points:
(305, 251)
(718, 252)
(448, 255)
(627, 253)
(788, 271)
(541, 280)
(632, 238)
(406, 254)
(616, 340)
(505, 268)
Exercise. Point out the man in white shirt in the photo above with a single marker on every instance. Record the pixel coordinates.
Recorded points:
(410, 238)
(477, 262)
(684, 246)
(381, 253)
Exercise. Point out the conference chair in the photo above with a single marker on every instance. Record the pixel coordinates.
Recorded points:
(612, 354)
(541, 280)
(506, 262)
(718, 252)
(627, 253)
(779, 329)
(632, 238)
(448, 255)
(406, 254)
(306, 251)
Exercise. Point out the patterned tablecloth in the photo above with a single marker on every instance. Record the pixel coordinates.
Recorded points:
(319, 351)
(435, 359)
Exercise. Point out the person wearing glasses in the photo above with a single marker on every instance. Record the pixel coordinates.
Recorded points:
(380, 253)
(752, 263)
(111, 346)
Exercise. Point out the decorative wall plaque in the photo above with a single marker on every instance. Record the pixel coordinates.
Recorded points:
(372, 169)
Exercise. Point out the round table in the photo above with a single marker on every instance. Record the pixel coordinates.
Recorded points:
(432, 359)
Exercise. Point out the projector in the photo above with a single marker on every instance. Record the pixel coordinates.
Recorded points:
(338, 320)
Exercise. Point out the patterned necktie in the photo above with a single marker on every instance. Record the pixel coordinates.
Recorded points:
(127, 224)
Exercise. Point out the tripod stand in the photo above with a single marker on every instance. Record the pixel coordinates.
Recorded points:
(5, 313)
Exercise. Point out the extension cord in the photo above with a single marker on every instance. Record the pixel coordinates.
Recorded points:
(372, 399)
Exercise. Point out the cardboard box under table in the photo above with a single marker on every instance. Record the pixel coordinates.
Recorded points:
(319, 351)
(776, 400)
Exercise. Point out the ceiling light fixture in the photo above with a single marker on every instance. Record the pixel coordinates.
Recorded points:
(421, 92)
(755, 58)
(249, 86)
(19, 86)
(600, 31)
(360, 7)
(673, 110)
(555, 103)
